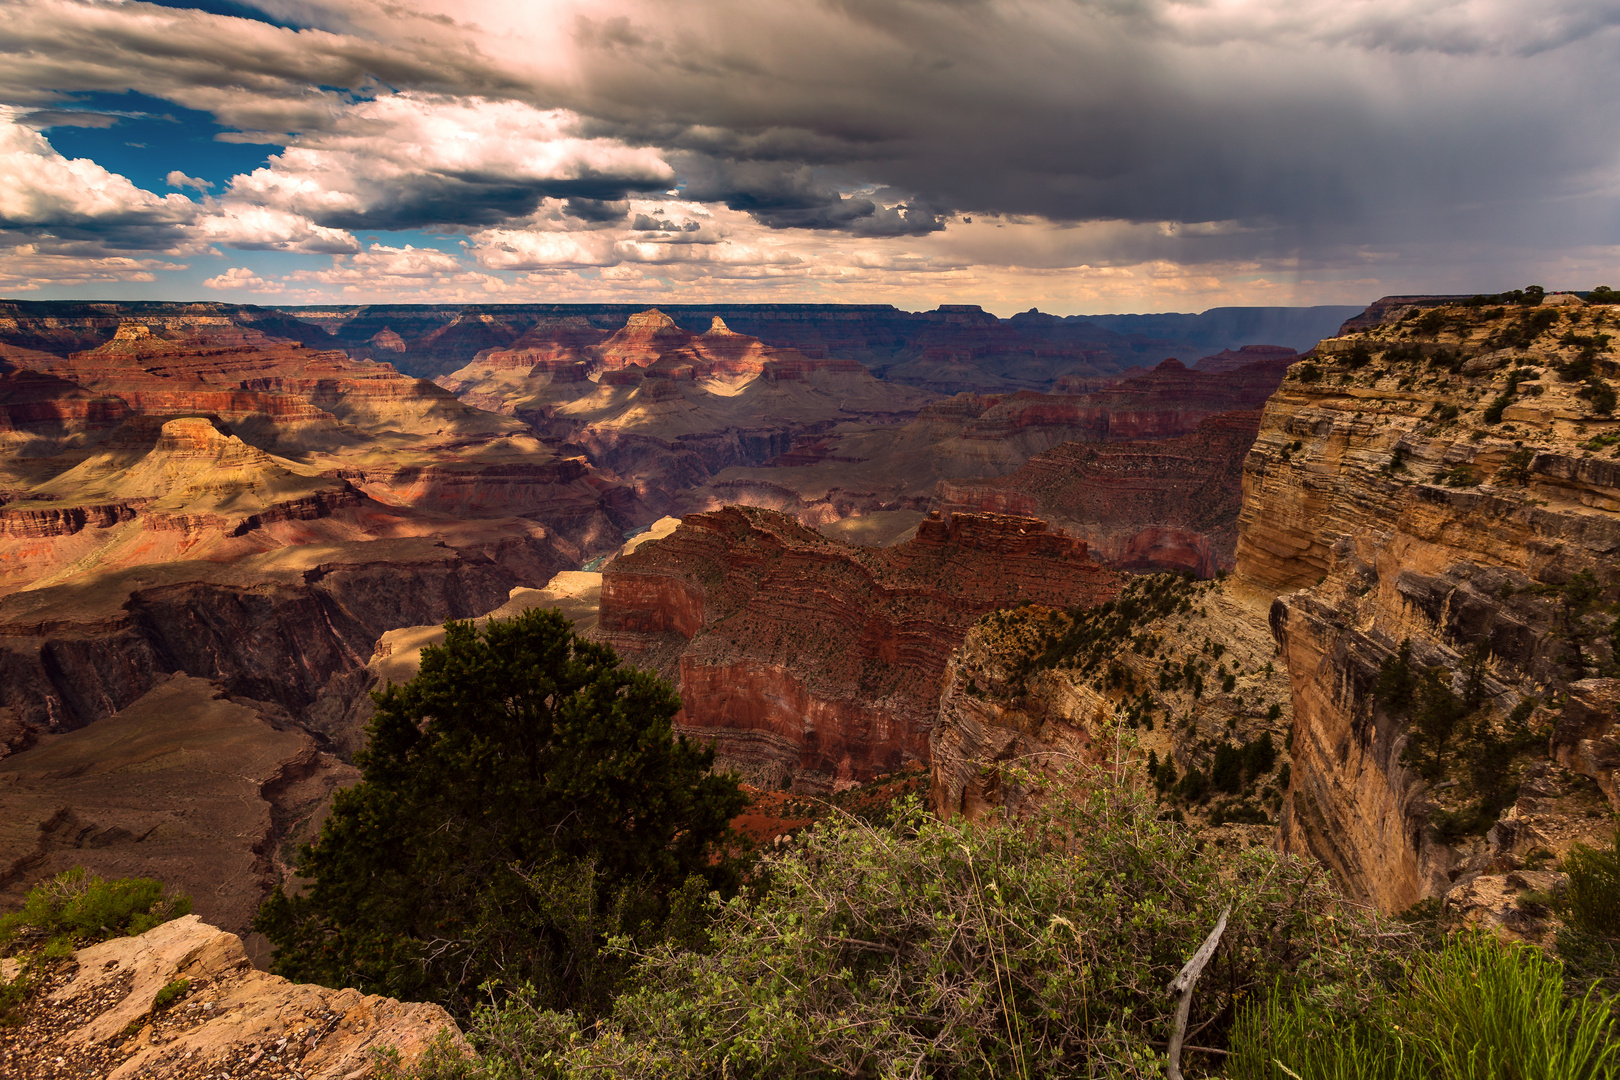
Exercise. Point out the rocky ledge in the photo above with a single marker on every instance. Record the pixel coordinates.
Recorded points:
(101, 1016)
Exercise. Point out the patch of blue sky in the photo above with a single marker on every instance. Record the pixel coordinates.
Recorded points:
(283, 17)
(149, 137)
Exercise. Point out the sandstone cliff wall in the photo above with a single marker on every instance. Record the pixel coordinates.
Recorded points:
(1383, 503)
(1169, 504)
(72, 654)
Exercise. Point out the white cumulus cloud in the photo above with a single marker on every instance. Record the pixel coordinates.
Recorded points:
(408, 160)
(241, 279)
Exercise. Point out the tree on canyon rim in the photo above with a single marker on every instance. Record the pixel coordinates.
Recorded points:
(521, 799)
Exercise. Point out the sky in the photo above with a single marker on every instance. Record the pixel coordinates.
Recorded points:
(1079, 156)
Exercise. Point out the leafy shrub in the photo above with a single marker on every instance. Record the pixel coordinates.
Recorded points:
(12, 995)
(1430, 322)
(1602, 294)
(1307, 372)
(77, 906)
(1600, 394)
(934, 948)
(1515, 469)
(170, 993)
(1458, 476)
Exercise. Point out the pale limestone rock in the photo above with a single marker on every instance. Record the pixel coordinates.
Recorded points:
(233, 1011)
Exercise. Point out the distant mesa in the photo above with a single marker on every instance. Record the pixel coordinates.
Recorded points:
(1232, 359)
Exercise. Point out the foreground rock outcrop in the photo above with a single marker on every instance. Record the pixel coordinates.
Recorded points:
(97, 1017)
(813, 664)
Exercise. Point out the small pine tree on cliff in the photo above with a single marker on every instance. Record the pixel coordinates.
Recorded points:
(521, 798)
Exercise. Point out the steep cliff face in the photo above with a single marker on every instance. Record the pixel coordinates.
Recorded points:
(1169, 504)
(810, 663)
(1431, 477)
(273, 627)
(1177, 500)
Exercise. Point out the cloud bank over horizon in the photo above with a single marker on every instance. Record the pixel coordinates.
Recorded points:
(1076, 155)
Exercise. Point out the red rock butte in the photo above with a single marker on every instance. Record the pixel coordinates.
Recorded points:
(810, 663)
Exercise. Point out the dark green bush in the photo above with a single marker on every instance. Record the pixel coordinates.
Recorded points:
(1226, 772)
(522, 799)
(1600, 394)
(1259, 756)
(171, 992)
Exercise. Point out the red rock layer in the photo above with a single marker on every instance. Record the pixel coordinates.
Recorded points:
(38, 403)
(1167, 401)
(809, 662)
(1167, 504)
(649, 344)
(242, 376)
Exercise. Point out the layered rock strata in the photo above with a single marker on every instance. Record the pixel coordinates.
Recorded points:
(663, 409)
(813, 664)
(1168, 504)
(273, 627)
(973, 438)
(1430, 477)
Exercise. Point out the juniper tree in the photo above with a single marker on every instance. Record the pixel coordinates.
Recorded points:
(522, 798)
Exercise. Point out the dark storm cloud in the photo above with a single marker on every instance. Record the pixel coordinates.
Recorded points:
(1308, 123)
(1306, 128)
(786, 197)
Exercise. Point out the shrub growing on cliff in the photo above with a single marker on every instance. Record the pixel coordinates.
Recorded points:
(928, 948)
(77, 907)
(521, 798)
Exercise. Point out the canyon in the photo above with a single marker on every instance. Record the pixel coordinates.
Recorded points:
(964, 442)
(1430, 502)
(951, 349)
(857, 540)
(812, 664)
